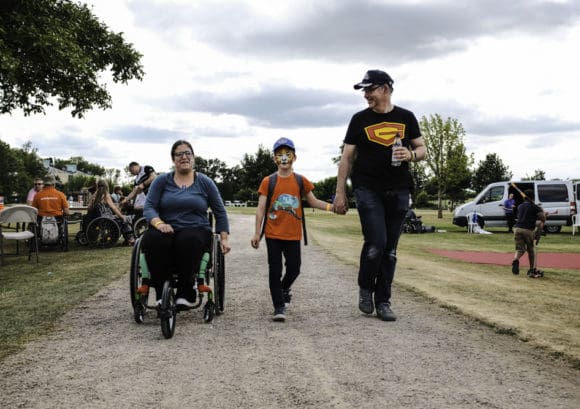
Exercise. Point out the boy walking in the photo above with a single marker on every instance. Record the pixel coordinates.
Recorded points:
(283, 223)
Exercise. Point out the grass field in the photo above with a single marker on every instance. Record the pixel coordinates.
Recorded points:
(543, 312)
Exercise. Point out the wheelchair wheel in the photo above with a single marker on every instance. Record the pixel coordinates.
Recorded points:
(135, 280)
(81, 238)
(103, 232)
(209, 311)
(218, 276)
(168, 310)
(64, 236)
(139, 227)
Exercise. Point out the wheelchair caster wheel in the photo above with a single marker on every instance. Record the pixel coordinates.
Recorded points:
(208, 312)
(139, 313)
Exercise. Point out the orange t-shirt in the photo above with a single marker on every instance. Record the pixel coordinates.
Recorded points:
(284, 217)
(50, 202)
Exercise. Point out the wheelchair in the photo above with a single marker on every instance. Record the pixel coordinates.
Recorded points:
(213, 274)
(53, 232)
(100, 232)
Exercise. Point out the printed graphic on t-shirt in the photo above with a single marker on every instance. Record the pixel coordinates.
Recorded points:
(384, 133)
(284, 203)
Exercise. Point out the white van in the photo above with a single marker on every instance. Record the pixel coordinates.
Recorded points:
(555, 196)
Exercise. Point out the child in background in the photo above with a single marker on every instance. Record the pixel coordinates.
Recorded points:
(283, 224)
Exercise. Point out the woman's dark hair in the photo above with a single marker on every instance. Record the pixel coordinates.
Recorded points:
(180, 142)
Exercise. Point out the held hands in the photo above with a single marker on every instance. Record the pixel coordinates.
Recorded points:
(340, 204)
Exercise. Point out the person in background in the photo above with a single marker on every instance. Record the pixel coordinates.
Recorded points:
(382, 184)
(101, 204)
(509, 207)
(117, 194)
(527, 233)
(283, 224)
(38, 184)
(49, 201)
(144, 176)
(180, 231)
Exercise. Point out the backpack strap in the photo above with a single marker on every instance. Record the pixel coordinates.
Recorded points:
(272, 179)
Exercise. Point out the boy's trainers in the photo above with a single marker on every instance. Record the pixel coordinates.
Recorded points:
(279, 314)
(516, 267)
(287, 294)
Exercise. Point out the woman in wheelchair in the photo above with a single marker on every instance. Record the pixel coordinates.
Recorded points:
(179, 228)
(101, 204)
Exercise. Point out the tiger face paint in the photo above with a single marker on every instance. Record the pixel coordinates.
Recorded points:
(284, 156)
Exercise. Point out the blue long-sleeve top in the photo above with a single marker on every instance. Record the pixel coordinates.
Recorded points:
(186, 207)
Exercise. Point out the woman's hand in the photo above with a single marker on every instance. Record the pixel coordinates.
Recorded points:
(225, 246)
(164, 228)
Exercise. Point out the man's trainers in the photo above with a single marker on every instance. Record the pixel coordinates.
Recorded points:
(516, 267)
(279, 314)
(365, 301)
(287, 294)
(534, 273)
(385, 313)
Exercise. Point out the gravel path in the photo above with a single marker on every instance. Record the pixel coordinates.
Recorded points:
(326, 355)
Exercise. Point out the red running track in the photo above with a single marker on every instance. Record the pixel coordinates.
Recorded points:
(545, 260)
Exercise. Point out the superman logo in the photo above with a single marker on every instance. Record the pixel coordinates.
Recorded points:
(384, 133)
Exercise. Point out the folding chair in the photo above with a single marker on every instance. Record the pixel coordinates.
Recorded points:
(22, 215)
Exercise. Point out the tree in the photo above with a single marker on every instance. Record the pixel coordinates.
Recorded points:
(82, 166)
(253, 168)
(538, 175)
(58, 49)
(490, 170)
(446, 157)
(325, 189)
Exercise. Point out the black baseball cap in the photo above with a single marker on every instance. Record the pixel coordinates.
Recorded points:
(375, 77)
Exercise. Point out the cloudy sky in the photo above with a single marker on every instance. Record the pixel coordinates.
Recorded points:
(233, 74)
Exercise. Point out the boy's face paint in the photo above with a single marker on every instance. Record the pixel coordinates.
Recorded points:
(284, 156)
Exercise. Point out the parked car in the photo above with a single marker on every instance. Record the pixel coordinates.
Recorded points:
(555, 196)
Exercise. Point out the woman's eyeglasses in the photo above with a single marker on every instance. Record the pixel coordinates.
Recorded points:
(187, 154)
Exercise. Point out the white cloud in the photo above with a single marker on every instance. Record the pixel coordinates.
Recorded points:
(231, 75)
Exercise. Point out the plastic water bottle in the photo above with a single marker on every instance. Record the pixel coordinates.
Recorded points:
(396, 144)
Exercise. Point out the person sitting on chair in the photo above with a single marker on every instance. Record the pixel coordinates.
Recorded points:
(101, 204)
(180, 231)
(49, 201)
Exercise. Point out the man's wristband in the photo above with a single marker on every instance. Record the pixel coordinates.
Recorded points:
(158, 223)
(328, 207)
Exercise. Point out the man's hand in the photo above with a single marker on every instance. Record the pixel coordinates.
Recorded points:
(340, 203)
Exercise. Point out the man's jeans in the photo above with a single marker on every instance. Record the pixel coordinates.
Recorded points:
(381, 216)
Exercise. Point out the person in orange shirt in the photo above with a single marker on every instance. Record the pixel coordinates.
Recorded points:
(283, 224)
(49, 201)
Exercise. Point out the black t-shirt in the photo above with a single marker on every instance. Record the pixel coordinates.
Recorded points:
(373, 135)
(527, 215)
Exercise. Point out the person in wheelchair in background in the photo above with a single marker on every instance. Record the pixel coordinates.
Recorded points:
(179, 231)
(101, 205)
(51, 204)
